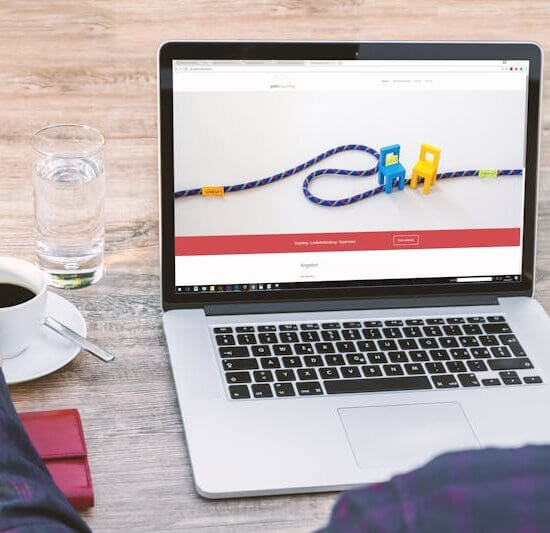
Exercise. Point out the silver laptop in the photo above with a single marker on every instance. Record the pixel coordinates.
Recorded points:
(348, 249)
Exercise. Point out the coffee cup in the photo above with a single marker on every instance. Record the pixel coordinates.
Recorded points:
(23, 298)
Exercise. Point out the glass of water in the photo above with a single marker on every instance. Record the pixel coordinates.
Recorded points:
(69, 191)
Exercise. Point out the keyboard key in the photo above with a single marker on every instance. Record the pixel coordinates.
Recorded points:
(313, 360)
(234, 351)
(510, 378)
(508, 339)
(247, 338)
(332, 360)
(371, 333)
(393, 370)
(532, 379)
(472, 329)
(498, 318)
(307, 374)
(517, 349)
(459, 353)
(500, 351)
(480, 353)
(435, 368)
(338, 386)
(239, 392)
(288, 327)
(510, 364)
(223, 329)
(330, 335)
(393, 323)
(414, 322)
(225, 340)
(266, 338)
(331, 325)
(309, 336)
(329, 373)
(303, 348)
(432, 331)
(269, 362)
(261, 391)
(285, 375)
(351, 334)
(446, 381)
(239, 364)
(260, 351)
(468, 380)
(475, 319)
(414, 368)
(456, 366)
(350, 372)
(376, 358)
(366, 346)
(265, 328)
(244, 329)
(435, 321)
(477, 366)
(309, 327)
(283, 390)
(310, 388)
(439, 355)
(499, 327)
(282, 349)
(346, 347)
(412, 331)
(428, 342)
(456, 320)
(407, 344)
(261, 376)
(453, 331)
(419, 356)
(488, 340)
(289, 336)
(392, 333)
(324, 347)
(292, 362)
(386, 345)
(468, 342)
(398, 357)
(491, 382)
(237, 377)
(356, 358)
(350, 325)
(370, 371)
(448, 342)
(372, 324)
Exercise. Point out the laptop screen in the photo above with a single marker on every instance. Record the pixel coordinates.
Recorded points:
(316, 174)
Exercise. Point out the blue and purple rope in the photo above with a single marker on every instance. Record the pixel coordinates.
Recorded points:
(335, 171)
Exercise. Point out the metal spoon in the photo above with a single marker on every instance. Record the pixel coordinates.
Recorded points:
(84, 343)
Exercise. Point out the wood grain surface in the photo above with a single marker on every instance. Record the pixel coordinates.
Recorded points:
(94, 62)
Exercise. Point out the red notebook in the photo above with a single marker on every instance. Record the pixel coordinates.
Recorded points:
(59, 440)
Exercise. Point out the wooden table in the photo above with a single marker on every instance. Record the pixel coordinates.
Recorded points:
(94, 62)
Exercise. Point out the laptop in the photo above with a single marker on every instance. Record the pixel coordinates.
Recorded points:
(348, 250)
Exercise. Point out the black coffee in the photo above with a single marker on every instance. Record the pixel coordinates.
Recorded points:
(11, 294)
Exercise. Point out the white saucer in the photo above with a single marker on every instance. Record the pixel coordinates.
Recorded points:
(51, 351)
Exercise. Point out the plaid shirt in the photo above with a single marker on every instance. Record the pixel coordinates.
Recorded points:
(490, 490)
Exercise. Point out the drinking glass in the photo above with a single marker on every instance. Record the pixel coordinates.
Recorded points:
(69, 190)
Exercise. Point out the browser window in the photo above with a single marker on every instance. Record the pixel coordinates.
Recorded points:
(309, 174)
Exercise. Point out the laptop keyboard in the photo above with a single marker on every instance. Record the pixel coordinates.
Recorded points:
(340, 357)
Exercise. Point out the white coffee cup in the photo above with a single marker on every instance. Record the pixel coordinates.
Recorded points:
(20, 324)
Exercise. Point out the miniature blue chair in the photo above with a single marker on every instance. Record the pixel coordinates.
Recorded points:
(389, 168)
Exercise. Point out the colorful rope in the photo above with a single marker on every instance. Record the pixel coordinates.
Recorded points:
(331, 171)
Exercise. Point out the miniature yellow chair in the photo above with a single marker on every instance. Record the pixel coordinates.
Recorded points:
(426, 167)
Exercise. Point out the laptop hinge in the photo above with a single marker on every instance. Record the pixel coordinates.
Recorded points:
(343, 305)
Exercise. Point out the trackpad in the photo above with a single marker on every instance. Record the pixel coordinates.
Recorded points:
(404, 436)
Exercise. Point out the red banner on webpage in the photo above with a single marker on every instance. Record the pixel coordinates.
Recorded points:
(345, 242)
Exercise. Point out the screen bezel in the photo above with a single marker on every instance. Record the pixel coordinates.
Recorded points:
(195, 50)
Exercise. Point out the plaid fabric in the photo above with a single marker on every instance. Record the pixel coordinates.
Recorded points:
(490, 490)
(29, 499)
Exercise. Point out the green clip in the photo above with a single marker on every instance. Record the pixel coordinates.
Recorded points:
(488, 173)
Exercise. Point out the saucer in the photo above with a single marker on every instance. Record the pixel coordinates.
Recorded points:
(50, 351)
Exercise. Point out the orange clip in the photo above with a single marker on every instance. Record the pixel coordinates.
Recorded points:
(212, 191)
